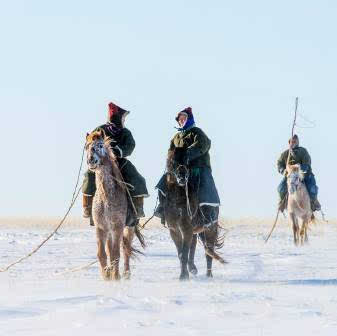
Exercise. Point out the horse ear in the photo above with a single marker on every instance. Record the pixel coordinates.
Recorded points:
(102, 133)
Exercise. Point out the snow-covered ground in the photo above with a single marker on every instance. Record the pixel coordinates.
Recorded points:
(268, 289)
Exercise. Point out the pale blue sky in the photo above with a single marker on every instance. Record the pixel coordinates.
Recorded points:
(239, 64)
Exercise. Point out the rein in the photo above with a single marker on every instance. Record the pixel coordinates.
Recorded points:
(76, 192)
(188, 203)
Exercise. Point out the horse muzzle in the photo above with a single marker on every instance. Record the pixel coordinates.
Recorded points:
(93, 163)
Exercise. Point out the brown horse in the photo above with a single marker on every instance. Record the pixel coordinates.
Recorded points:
(110, 208)
(182, 214)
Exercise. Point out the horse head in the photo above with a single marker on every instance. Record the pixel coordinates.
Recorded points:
(295, 177)
(177, 170)
(97, 148)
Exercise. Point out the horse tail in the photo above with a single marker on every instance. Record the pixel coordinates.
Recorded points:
(217, 245)
(220, 237)
(129, 249)
(215, 256)
(140, 236)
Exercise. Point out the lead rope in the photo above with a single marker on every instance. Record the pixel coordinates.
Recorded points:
(188, 204)
(288, 159)
(143, 226)
(73, 200)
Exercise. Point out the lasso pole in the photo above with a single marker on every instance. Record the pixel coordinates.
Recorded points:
(288, 159)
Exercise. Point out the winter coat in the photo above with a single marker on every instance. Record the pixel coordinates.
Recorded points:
(298, 155)
(197, 146)
(123, 145)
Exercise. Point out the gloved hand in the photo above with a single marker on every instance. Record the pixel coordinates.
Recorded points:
(117, 152)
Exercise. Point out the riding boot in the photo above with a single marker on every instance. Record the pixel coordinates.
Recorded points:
(209, 218)
(315, 205)
(87, 207)
(139, 205)
(159, 211)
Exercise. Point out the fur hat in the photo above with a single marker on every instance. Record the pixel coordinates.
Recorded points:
(115, 113)
(295, 137)
(187, 111)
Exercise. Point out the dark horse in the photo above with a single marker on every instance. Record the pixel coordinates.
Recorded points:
(182, 214)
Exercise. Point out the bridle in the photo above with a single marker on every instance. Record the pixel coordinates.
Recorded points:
(185, 185)
(294, 181)
(186, 176)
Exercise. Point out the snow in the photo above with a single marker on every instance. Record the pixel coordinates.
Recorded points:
(266, 289)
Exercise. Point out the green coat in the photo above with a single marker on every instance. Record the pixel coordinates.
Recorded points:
(123, 145)
(299, 155)
(197, 146)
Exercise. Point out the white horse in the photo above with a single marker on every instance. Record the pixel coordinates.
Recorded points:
(298, 204)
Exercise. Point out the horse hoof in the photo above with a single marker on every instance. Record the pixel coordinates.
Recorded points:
(116, 277)
(193, 269)
(127, 275)
(107, 274)
(209, 274)
(184, 277)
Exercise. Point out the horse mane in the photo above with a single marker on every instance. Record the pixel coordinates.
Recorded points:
(93, 136)
(113, 159)
(175, 155)
(169, 160)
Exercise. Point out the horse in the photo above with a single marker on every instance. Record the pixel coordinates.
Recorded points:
(182, 214)
(110, 209)
(298, 204)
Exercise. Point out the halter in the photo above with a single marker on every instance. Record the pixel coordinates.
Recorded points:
(297, 182)
(186, 179)
(187, 175)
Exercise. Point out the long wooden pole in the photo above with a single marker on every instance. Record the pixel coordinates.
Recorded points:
(293, 130)
(288, 159)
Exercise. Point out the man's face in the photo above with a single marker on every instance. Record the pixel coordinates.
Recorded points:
(293, 143)
(123, 119)
(182, 119)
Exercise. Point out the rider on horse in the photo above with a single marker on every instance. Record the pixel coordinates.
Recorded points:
(298, 155)
(197, 159)
(123, 145)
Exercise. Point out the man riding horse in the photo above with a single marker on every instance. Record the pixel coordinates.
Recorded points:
(123, 144)
(196, 158)
(298, 156)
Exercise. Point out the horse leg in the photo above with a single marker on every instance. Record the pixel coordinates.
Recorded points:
(304, 231)
(294, 222)
(101, 254)
(128, 234)
(306, 239)
(114, 252)
(182, 240)
(297, 230)
(191, 266)
(177, 239)
(187, 235)
(209, 242)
